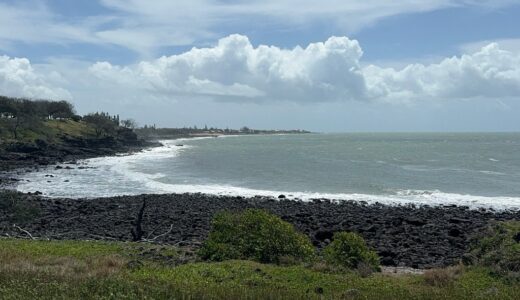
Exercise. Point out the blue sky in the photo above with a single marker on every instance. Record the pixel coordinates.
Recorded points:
(404, 65)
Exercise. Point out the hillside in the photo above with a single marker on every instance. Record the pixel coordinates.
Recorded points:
(36, 133)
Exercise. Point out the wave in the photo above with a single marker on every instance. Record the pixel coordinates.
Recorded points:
(118, 175)
(417, 197)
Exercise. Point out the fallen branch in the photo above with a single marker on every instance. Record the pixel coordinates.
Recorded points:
(153, 231)
(160, 235)
(24, 231)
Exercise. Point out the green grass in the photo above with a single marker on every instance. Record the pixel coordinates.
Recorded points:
(96, 270)
(69, 127)
(50, 130)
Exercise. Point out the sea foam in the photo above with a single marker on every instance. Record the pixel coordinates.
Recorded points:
(118, 175)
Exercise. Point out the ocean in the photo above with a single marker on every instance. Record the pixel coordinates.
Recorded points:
(473, 169)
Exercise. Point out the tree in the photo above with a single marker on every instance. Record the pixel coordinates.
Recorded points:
(20, 113)
(60, 109)
(129, 123)
(102, 123)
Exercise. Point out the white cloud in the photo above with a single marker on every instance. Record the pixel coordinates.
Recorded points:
(31, 22)
(234, 70)
(167, 23)
(488, 73)
(146, 26)
(505, 44)
(19, 79)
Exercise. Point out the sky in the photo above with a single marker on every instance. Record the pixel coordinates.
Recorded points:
(326, 66)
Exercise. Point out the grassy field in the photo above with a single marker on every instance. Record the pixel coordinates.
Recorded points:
(95, 270)
(50, 130)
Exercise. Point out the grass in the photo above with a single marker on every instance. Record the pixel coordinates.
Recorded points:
(50, 130)
(97, 270)
(70, 127)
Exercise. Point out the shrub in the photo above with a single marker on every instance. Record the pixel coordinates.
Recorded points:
(443, 277)
(498, 248)
(350, 250)
(256, 235)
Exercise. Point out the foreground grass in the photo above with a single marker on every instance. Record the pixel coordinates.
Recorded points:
(94, 270)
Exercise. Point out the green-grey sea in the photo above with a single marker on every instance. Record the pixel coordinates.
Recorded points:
(475, 169)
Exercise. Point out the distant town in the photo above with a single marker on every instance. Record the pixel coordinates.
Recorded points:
(150, 132)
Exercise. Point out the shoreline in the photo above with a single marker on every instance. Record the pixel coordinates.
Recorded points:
(404, 236)
(60, 173)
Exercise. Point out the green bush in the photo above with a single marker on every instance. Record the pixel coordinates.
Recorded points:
(498, 248)
(349, 250)
(255, 235)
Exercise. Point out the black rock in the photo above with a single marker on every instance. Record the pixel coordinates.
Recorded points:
(323, 235)
(416, 221)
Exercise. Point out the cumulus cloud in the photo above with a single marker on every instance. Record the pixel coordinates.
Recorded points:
(234, 70)
(487, 73)
(19, 79)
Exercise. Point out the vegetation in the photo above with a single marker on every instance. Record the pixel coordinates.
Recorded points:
(16, 210)
(255, 235)
(498, 248)
(96, 270)
(19, 114)
(103, 123)
(350, 251)
(153, 132)
(443, 277)
(42, 122)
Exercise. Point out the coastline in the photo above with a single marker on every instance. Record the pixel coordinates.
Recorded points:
(417, 236)
(404, 236)
(15, 164)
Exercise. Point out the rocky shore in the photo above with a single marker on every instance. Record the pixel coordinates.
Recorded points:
(17, 158)
(418, 237)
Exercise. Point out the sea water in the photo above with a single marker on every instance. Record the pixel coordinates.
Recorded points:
(474, 169)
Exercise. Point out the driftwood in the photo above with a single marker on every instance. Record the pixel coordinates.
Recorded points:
(160, 235)
(24, 231)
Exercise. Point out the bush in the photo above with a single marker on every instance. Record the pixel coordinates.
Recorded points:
(255, 235)
(16, 208)
(498, 248)
(350, 250)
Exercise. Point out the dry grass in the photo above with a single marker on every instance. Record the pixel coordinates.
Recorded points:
(65, 267)
(443, 277)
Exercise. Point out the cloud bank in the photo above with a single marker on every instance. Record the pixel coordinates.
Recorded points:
(236, 71)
